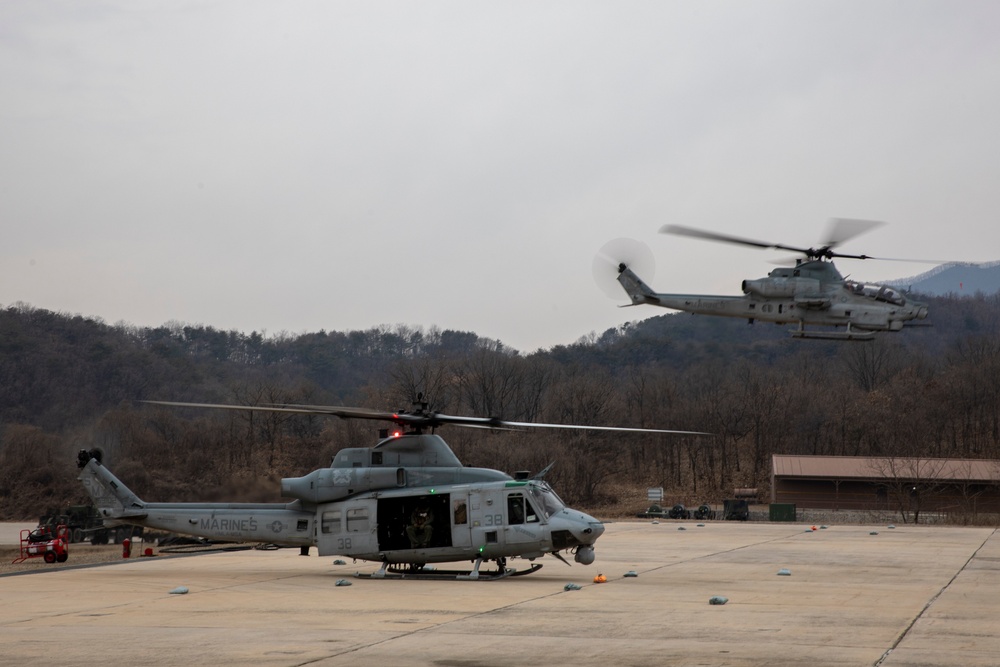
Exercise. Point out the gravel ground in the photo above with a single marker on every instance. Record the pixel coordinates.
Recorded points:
(84, 553)
(79, 554)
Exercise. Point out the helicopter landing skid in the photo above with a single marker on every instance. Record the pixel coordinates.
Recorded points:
(850, 334)
(833, 335)
(460, 575)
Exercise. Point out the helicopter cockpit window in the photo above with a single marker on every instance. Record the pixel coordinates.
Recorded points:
(876, 292)
(546, 499)
(891, 296)
(530, 514)
(520, 510)
(515, 509)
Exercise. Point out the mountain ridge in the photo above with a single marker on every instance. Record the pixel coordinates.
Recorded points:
(959, 278)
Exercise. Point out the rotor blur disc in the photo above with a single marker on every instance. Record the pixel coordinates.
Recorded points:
(840, 230)
(636, 255)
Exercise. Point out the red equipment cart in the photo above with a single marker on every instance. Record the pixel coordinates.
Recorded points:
(41, 543)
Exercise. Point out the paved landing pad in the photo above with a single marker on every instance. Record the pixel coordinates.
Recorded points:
(906, 596)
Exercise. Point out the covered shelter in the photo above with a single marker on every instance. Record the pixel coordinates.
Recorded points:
(966, 486)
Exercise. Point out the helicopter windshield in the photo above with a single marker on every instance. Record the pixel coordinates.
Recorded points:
(546, 499)
(877, 292)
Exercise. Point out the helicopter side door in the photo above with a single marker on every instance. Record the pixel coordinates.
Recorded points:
(523, 520)
(346, 528)
(486, 517)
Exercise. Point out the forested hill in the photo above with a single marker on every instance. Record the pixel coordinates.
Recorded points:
(68, 381)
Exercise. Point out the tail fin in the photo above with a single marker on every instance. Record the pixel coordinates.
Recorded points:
(639, 291)
(113, 499)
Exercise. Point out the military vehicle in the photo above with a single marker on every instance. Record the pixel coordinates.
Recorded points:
(84, 523)
(810, 293)
(405, 503)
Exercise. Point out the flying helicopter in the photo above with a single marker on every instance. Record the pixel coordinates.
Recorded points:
(810, 293)
(406, 502)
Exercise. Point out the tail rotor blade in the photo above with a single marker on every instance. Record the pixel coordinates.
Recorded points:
(634, 254)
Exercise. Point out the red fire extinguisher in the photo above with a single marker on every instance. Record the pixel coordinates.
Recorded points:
(126, 548)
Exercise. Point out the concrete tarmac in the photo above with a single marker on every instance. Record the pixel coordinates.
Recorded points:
(913, 595)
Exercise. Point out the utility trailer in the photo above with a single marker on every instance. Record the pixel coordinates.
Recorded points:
(44, 543)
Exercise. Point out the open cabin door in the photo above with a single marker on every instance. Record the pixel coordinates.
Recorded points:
(414, 522)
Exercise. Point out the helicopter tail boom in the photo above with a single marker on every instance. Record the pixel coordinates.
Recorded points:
(113, 499)
(273, 523)
(637, 290)
(705, 304)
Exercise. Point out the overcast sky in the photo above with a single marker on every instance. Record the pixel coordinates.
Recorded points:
(297, 166)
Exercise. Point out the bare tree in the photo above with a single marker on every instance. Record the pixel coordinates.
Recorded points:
(908, 480)
(873, 363)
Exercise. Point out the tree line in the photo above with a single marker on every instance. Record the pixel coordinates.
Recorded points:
(69, 382)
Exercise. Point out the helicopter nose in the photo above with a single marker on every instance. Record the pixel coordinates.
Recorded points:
(576, 528)
(593, 529)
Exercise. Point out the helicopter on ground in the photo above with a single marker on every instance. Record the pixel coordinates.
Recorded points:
(406, 502)
(811, 293)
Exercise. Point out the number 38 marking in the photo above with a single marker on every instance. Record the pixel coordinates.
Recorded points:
(493, 519)
(344, 543)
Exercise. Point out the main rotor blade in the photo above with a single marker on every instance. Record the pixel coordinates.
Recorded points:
(915, 261)
(840, 230)
(604, 428)
(680, 230)
(332, 411)
(790, 261)
(415, 420)
(439, 419)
